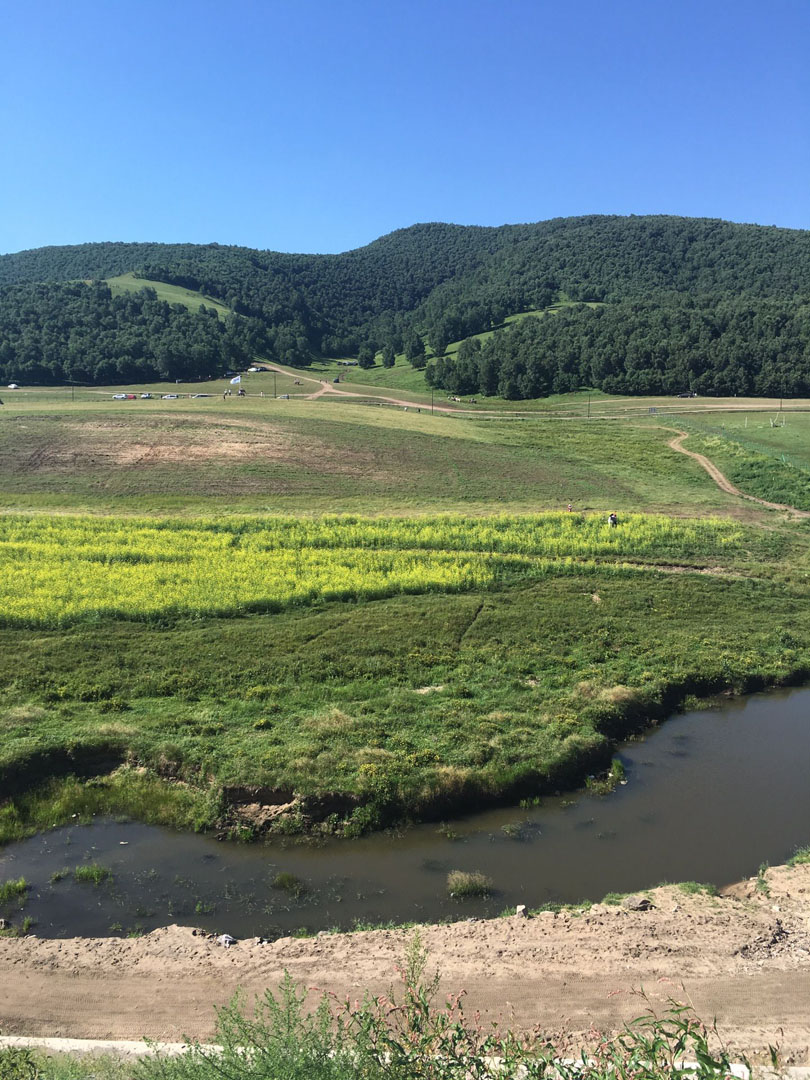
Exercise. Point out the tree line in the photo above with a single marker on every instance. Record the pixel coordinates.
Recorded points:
(731, 346)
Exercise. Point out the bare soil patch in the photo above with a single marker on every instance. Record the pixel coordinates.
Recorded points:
(742, 958)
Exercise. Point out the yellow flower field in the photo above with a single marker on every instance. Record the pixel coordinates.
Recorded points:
(57, 570)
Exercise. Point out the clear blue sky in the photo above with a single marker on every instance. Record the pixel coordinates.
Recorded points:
(318, 125)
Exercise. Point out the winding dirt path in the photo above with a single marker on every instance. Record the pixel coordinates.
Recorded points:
(722, 481)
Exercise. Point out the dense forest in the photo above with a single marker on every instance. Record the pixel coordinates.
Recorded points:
(82, 333)
(693, 303)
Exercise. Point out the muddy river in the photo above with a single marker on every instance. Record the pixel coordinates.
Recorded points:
(709, 797)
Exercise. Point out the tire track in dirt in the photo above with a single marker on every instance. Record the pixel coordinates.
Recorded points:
(722, 481)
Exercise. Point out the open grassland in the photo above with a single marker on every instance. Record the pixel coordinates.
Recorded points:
(764, 454)
(388, 660)
(259, 455)
(172, 294)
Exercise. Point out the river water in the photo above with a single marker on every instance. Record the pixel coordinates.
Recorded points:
(709, 797)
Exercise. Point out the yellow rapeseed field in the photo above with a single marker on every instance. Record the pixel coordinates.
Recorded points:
(57, 570)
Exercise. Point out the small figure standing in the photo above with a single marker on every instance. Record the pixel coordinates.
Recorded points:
(613, 521)
(570, 508)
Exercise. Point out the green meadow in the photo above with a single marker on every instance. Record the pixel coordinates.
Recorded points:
(461, 640)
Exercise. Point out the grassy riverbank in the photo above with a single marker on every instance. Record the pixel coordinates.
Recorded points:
(405, 705)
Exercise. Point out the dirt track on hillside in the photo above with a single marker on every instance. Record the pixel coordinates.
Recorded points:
(743, 958)
(723, 482)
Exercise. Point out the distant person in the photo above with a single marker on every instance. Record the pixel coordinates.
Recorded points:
(613, 520)
(570, 508)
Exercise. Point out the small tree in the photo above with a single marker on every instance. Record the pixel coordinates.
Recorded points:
(365, 356)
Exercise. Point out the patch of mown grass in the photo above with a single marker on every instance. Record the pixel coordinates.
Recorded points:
(343, 456)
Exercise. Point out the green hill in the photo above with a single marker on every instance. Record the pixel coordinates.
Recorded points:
(662, 279)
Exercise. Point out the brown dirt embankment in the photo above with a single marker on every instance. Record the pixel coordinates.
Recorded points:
(743, 958)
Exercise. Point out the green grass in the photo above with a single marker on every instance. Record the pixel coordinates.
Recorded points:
(771, 462)
(541, 668)
(172, 294)
(92, 874)
(697, 888)
(299, 456)
(462, 884)
(538, 681)
(13, 889)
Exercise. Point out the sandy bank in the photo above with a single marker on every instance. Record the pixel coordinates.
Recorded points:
(743, 958)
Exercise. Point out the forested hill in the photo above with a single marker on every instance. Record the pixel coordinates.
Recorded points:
(444, 282)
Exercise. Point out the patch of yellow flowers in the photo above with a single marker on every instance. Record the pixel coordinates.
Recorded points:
(57, 570)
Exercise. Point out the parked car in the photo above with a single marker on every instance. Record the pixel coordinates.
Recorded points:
(200, 395)
(170, 397)
(119, 397)
(146, 397)
(13, 386)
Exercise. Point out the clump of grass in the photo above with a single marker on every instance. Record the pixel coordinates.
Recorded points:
(93, 874)
(761, 884)
(693, 888)
(465, 883)
(59, 875)
(289, 883)
(603, 785)
(800, 856)
(13, 889)
(613, 898)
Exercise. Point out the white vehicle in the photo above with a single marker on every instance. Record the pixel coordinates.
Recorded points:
(119, 397)
(13, 386)
(146, 397)
(170, 397)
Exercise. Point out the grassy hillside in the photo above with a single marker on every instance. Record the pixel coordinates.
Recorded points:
(172, 294)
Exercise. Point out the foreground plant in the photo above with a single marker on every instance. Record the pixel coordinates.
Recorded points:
(409, 1034)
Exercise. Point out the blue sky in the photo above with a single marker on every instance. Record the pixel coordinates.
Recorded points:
(318, 125)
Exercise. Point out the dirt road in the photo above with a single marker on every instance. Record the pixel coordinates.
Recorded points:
(743, 958)
(723, 482)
